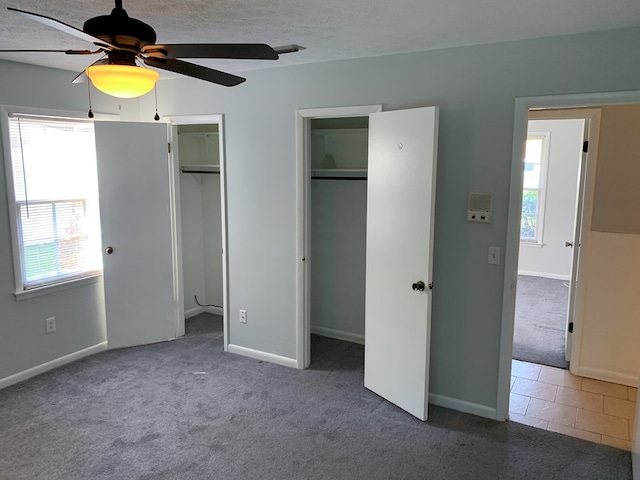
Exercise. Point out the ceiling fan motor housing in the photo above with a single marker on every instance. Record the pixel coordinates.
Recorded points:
(121, 30)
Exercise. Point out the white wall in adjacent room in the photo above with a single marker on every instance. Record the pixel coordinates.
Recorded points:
(552, 259)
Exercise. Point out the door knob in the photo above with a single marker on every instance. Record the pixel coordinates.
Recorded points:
(568, 244)
(108, 250)
(418, 286)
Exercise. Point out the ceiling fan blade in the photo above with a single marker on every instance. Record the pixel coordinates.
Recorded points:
(196, 71)
(288, 49)
(68, 52)
(58, 25)
(250, 51)
(82, 77)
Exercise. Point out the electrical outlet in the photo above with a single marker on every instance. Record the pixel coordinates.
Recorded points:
(494, 256)
(50, 324)
(243, 316)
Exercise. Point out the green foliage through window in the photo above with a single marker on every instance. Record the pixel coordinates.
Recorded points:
(529, 218)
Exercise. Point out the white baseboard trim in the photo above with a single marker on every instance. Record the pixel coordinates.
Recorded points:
(463, 406)
(338, 334)
(192, 312)
(554, 276)
(607, 376)
(45, 367)
(214, 310)
(264, 356)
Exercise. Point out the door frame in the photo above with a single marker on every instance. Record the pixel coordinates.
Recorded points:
(175, 121)
(303, 217)
(521, 114)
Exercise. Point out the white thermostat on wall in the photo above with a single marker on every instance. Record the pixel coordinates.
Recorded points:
(480, 207)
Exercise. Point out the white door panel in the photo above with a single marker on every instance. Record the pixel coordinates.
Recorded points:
(400, 207)
(136, 217)
(575, 265)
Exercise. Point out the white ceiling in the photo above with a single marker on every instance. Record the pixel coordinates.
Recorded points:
(329, 29)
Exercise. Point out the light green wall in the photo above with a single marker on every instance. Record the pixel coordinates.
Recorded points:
(338, 256)
(475, 88)
(79, 312)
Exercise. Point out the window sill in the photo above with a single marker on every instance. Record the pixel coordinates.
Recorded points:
(58, 287)
(532, 244)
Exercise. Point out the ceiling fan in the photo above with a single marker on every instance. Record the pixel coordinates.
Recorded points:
(126, 42)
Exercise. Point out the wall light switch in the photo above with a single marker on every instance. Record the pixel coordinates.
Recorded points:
(494, 256)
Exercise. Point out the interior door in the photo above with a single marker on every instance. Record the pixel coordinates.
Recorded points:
(575, 245)
(136, 215)
(400, 216)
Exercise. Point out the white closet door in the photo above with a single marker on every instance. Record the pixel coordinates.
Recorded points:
(136, 214)
(400, 214)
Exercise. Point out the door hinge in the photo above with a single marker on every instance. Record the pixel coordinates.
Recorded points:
(585, 146)
(169, 147)
(570, 327)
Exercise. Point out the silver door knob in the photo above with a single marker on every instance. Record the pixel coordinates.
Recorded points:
(418, 286)
(568, 244)
(108, 250)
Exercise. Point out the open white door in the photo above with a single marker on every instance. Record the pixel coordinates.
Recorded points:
(136, 214)
(400, 219)
(575, 245)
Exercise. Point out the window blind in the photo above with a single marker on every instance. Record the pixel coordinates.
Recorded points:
(55, 198)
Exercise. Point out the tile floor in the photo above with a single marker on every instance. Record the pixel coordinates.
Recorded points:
(553, 399)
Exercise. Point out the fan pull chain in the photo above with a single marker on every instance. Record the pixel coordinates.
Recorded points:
(90, 114)
(156, 117)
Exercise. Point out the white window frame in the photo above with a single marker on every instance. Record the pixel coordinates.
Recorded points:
(20, 292)
(538, 241)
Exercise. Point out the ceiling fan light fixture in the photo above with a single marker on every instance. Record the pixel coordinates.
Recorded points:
(123, 81)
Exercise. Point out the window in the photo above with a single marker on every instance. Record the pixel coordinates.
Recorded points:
(53, 192)
(533, 193)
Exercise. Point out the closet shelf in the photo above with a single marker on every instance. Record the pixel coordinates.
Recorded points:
(340, 173)
(200, 168)
(198, 134)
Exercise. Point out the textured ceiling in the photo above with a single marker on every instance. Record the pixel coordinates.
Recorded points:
(329, 29)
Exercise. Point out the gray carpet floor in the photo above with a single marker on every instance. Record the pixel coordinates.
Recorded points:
(186, 410)
(541, 314)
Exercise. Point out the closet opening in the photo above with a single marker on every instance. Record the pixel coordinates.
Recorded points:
(339, 150)
(338, 227)
(200, 152)
(331, 208)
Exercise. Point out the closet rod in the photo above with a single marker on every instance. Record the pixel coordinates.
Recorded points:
(338, 178)
(200, 169)
(184, 170)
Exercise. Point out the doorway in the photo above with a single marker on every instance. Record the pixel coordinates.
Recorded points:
(588, 335)
(339, 156)
(551, 193)
(199, 184)
(318, 161)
